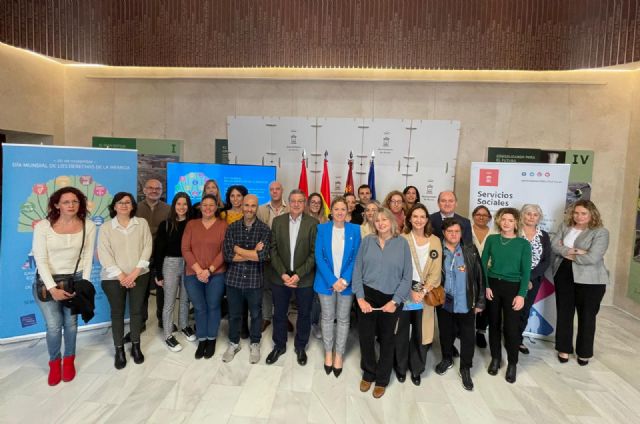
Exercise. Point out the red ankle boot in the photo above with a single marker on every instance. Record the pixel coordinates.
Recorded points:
(55, 372)
(68, 368)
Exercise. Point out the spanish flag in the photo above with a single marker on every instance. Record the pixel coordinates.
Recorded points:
(325, 187)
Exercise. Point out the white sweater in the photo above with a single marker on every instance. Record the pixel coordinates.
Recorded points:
(57, 253)
(121, 249)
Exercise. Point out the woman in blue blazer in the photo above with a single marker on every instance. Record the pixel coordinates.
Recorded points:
(337, 244)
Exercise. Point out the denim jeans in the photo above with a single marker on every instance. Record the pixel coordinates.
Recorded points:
(57, 318)
(236, 297)
(207, 301)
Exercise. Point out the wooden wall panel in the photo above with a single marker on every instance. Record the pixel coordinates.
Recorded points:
(411, 34)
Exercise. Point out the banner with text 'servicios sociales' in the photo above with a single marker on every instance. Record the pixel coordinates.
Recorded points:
(497, 185)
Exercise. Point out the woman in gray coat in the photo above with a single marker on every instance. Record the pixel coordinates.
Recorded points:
(580, 277)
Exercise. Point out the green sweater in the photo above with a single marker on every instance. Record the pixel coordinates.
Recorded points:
(510, 261)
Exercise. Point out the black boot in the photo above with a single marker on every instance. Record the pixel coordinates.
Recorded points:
(136, 353)
(209, 349)
(120, 359)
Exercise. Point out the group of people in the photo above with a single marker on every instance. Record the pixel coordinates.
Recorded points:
(406, 268)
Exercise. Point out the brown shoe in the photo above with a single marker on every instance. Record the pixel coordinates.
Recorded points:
(378, 391)
(265, 324)
(365, 386)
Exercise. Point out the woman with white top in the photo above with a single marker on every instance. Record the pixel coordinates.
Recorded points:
(480, 229)
(57, 242)
(124, 249)
(580, 277)
(336, 248)
(417, 319)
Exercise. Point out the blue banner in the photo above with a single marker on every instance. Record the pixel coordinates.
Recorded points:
(30, 175)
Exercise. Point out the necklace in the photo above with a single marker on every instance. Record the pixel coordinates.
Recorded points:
(504, 243)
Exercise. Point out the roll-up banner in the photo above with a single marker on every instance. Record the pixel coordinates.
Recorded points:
(497, 185)
(30, 175)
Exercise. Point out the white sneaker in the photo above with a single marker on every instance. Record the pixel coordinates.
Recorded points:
(254, 353)
(230, 352)
(173, 344)
(316, 331)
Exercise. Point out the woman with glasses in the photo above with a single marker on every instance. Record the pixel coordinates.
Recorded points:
(57, 244)
(396, 204)
(124, 250)
(315, 209)
(480, 229)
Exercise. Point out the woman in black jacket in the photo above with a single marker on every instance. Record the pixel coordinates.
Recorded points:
(464, 298)
(530, 216)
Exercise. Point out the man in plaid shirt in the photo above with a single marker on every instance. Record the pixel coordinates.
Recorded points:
(246, 248)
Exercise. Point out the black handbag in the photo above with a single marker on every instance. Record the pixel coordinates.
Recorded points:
(64, 282)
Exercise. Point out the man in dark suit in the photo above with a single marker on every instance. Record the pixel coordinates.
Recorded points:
(292, 270)
(447, 202)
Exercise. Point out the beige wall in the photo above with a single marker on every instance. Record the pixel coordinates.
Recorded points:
(560, 110)
(31, 93)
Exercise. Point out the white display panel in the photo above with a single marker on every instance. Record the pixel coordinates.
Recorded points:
(407, 152)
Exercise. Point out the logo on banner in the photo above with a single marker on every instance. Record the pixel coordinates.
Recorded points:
(489, 177)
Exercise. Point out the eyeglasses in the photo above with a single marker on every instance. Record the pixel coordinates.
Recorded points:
(70, 202)
(396, 202)
(481, 215)
(123, 203)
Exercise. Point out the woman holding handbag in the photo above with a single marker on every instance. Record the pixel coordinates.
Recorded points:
(62, 245)
(124, 249)
(417, 319)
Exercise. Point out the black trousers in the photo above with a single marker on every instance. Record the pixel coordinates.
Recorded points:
(383, 326)
(572, 297)
(528, 303)
(482, 321)
(409, 351)
(448, 324)
(503, 319)
(117, 297)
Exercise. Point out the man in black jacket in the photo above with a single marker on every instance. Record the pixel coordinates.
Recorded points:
(464, 297)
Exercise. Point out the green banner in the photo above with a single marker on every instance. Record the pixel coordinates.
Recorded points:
(581, 162)
(114, 142)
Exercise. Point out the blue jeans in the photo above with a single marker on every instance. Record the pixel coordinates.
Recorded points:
(304, 300)
(206, 299)
(56, 318)
(236, 297)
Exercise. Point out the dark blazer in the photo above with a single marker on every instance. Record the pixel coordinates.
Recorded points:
(325, 278)
(304, 255)
(436, 223)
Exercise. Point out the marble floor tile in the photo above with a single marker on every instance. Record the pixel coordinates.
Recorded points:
(259, 392)
(437, 412)
(290, 407)
(216, 404)
(175, 388)
(142, 402)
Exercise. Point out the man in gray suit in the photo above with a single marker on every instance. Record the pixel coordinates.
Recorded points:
(292, 270)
